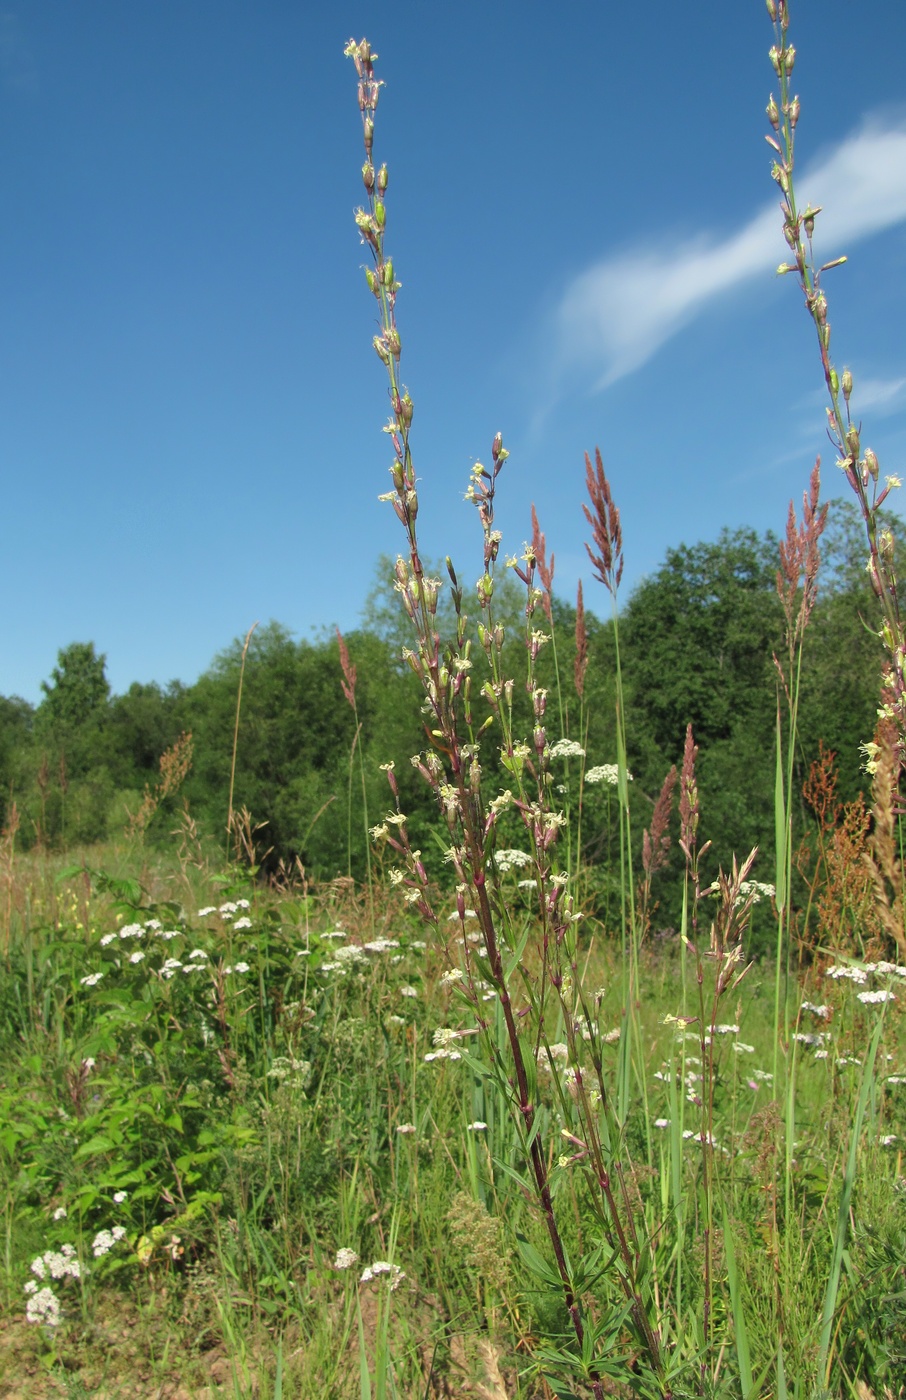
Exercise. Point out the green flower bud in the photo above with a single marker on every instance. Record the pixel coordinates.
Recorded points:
(789, 59)
(794, 112)
(847, 384)
(871, 463)
(852, 442)
(404, 413)
(776, 59)
(372, 281)
(382, 179)
(392, 342)
(387, 273)
(368, 176)
(380, 213)
(369, 136)
(772, 10)
(382, 348)
(834, 382)
(773, 114)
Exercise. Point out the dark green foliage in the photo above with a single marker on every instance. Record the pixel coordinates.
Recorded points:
(698, 641)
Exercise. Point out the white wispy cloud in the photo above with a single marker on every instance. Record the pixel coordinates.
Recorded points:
(614, 316)
(881, 395)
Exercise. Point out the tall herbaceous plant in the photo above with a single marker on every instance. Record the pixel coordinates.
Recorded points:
(469, 712)
(652, 1292)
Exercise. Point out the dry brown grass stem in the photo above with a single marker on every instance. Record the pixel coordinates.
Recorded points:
(175, 763)
(545, 570)
(604, 519)
(885, 866)
(797, 577)
(245, 652)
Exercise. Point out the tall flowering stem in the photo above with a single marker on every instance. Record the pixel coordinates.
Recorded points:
(606, 555)
(859, 464)
(452, 768)
(348, 683)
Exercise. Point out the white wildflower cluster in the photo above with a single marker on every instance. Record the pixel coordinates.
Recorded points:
(381, 1267)
(407, 991)
(876, 998)
(43, 1305)
(605, 773)
(405, 1129)
(381, 945)
(566, 748)
(823, 1011)
(512, 860)
(236, 967)
(755, 891)
(104, 1241)
(442, 1054)
(53, 1263)
(349, 954)
(242, 923)
(92, 979)
(477, 1127)
(814, 1039)
(226, 910)
(286, 1068)
(742, 1048)
(888, 1140)
(345, 1258)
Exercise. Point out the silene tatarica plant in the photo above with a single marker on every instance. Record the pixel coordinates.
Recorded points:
(520, 979)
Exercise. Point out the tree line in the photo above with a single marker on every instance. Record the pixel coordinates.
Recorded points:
(697, 640)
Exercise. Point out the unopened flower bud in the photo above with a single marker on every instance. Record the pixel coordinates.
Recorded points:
(871, 463)
(820, 308)
(405, 410)
(847, 383)
(387, 273)
(368, 125)
(834, 382)
(393, 343)
(368, 176)
(794, 112)
(852, 442)
(371, 280)
(776, 60)
(380, 213)
(382, 348)
(789, 59)
(772, 9)
(382, 180)
(773, 114)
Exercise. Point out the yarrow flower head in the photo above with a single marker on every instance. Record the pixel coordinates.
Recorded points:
(345, 1258)
(605, 773)
(566, 748)
(380, 1267)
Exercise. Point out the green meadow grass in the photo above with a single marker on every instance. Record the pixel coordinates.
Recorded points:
(311, 1086)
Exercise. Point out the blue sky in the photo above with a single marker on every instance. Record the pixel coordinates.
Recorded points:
(580, 212)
